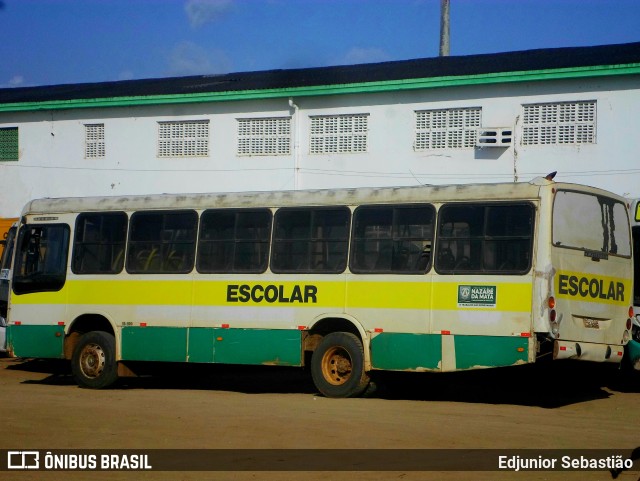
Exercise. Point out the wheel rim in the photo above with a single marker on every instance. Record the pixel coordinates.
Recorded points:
(92, 360)
(336, 366)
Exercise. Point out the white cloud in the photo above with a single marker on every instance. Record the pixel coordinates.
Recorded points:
(201, 12)
(187, 58)
(365, 55)
(16, 81)
(125, 75)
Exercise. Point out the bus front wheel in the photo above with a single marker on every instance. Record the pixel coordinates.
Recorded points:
(93, 363)
(337, 366)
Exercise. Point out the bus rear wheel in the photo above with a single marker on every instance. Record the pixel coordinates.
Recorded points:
(93, 363)
(337, 366)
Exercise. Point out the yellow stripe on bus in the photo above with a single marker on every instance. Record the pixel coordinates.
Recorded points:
(515, 297)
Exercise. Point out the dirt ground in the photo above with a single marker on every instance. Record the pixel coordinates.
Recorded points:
(566, 406)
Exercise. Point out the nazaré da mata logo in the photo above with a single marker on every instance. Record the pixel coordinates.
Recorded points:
(477, 296)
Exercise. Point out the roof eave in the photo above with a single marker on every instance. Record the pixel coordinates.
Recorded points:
(334, 89)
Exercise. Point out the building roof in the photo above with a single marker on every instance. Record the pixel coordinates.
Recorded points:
(417, 73)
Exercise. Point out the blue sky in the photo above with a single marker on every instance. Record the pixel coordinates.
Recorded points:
(46, 42)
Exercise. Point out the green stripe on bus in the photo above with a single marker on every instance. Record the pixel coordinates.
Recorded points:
(403, 351)
(212, 345)
(201, 342)
(473, 352)
(276, 347)
(423, 352)
(154, 344)
(36, 341)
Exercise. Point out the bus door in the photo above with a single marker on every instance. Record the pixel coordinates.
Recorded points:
(591, 248)
(5, 276)
(5, 270)
(482, 293)
(38, 299)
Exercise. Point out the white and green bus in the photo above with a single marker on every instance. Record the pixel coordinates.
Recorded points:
(633, 348)
(346, 282)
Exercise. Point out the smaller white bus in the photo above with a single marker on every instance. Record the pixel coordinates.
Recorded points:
(346, 282)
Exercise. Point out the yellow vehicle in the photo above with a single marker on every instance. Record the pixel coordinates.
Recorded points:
(5, 225)
(425, 278)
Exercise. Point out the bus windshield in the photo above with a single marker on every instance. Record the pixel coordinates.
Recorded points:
(591, 223)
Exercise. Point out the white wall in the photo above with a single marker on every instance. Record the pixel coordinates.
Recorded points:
(52, 162)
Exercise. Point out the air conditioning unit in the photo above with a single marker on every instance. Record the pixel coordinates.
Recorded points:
(495, 137)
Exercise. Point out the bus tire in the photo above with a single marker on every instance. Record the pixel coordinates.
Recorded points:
(94, 360)
(337, 366)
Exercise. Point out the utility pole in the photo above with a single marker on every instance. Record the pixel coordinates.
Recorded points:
(444, 28)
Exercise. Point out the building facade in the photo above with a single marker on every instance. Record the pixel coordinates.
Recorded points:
(483, 118)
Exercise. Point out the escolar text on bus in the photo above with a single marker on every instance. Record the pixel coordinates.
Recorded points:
(272, 293)
(591, 287)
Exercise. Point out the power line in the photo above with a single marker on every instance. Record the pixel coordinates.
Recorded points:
(318, 171)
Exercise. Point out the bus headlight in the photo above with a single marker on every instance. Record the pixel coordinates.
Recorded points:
(625, 337)
(555, 328)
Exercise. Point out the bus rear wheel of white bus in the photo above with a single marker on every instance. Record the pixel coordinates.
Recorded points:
(93, 363)
(337, 366)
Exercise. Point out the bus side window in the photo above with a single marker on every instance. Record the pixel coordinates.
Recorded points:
(41, 259)
(162, 242)
(392, 239)
(98, 246)
(234, 241)
(485, 238)
(311, 240)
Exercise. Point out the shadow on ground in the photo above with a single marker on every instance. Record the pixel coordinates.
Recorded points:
(549, 385)
(545, 385)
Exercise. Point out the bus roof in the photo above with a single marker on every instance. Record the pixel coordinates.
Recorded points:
(354, 196)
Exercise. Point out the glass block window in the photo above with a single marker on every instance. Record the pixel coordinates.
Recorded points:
(447, 128)
(94, 141)
(559, 123)
(183, 139)
(339, 134)
(271, 136)
(8, 143)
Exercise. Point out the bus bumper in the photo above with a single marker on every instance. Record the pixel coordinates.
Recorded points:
(587, 351)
